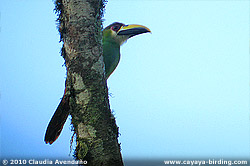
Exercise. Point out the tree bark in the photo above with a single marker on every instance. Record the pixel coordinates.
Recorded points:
(96, 131)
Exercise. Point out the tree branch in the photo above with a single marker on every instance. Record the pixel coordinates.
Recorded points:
(96, 131)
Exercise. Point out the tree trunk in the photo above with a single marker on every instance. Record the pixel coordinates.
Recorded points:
(96, 131)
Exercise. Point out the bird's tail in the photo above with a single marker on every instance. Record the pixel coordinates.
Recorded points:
(57, 121)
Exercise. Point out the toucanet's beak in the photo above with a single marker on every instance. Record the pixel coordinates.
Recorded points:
(132, 30)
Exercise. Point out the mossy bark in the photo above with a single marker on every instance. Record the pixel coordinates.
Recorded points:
(96, 131)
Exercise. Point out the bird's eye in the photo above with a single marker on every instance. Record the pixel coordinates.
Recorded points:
(115, 28)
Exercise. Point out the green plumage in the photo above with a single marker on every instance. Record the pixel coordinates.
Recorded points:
(111, 55)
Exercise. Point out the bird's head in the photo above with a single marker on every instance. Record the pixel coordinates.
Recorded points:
(119, 32)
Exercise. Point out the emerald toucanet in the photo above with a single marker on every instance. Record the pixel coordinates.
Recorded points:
(114, 36)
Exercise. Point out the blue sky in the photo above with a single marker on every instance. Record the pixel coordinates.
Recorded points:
(182, 91)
